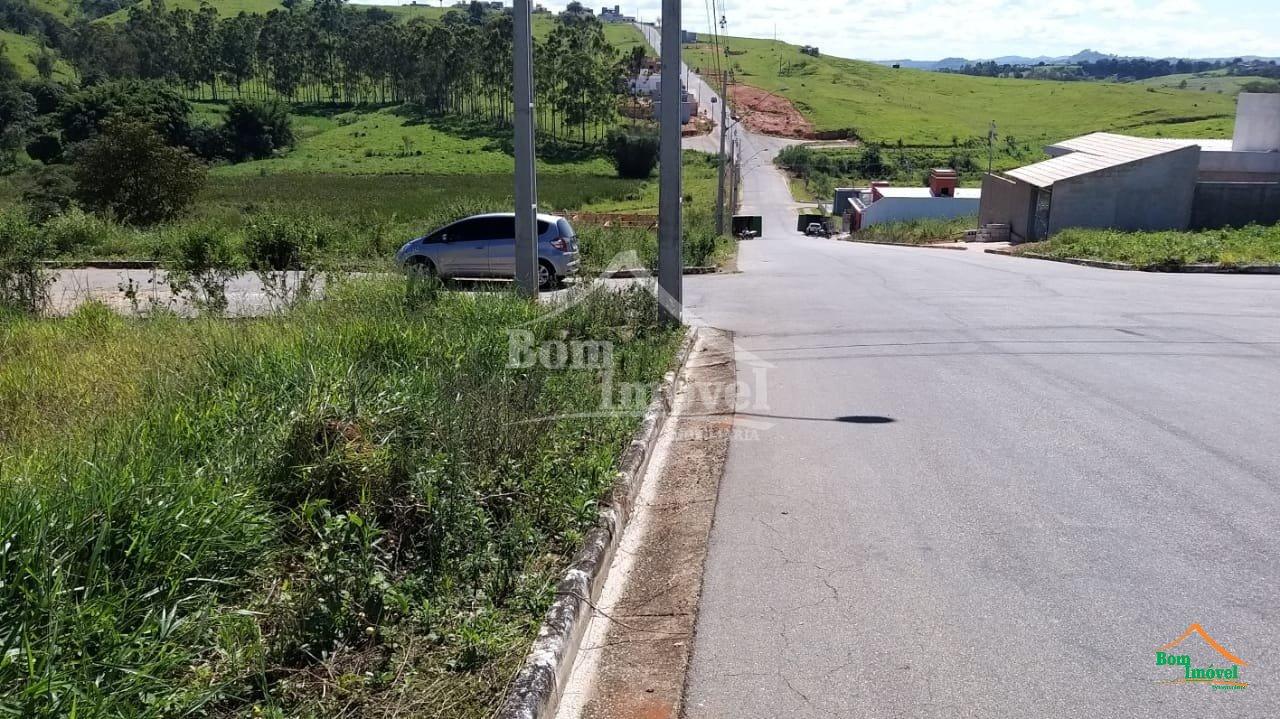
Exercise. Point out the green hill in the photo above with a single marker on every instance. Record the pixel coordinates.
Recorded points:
(1210, 82)
(885, 105)
(225, 8)
(20, 48)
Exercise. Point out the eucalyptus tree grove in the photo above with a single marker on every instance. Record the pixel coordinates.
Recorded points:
(327, 52)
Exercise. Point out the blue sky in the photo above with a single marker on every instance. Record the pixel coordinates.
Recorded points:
(932, 29)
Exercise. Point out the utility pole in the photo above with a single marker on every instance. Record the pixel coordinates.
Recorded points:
(670, 221)
(724, 135)
(724, 129)
(735, 178)
(991, 146)
(526, 176)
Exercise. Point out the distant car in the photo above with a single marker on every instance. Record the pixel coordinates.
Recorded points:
(817, 229)
(484, 246)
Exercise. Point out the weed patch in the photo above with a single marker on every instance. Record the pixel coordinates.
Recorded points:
(1254, 244)
(356, 507)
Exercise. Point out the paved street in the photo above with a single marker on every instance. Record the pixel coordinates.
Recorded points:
(981, 486)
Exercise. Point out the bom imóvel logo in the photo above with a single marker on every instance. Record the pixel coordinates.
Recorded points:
(1226, 677)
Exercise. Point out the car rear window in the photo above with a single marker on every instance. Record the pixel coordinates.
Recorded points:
(566, 230)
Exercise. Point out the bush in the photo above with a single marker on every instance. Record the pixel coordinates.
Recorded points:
(48, 95)
(129, 172)
(46, 147)
(24, 283)
(49, 192)
(255, 130)
(634, 156)
(274, 243)
(89, 111)
(202, 260)
(283, 252)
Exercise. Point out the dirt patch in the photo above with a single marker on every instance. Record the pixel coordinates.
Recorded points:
(636, 651)
(768, 114)
(700, 125)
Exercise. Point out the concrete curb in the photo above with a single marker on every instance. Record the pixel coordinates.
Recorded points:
(156, 265)
(102, 265)
(1203, 269)
(535, 691)
(903, 244)
(641, 274)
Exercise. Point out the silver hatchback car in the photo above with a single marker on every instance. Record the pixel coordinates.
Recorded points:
(484, 246)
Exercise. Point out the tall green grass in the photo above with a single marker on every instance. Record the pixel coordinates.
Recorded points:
(352, 509)
(625, 248)
(1254, 244)
(917, 232)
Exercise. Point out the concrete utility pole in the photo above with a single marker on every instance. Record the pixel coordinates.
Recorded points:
(670, 222)
(735, 177)
(724, 135)
(526, 174)
(991, 146)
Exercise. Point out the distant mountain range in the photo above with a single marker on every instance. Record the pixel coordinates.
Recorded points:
(955, 63)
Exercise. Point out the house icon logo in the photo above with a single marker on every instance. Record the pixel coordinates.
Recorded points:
(1226, 677)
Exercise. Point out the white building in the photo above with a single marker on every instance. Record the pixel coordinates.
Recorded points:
(648, 84)
(614, 14)
(942, 199)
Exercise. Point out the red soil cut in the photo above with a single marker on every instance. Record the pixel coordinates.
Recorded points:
(769, 114)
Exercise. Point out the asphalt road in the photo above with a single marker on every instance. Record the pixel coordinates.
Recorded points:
(1073, 466)
(966, 485)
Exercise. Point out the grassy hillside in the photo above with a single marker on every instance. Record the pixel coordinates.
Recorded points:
(1214, 82)
(884, 105)
(61, 8)
(386, 142)
(225, 8)
(624, 37)
(20, 48)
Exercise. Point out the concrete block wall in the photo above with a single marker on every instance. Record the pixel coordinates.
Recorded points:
(1234, 166)
(1155, 193)
(1235, 204)
(1007, 202)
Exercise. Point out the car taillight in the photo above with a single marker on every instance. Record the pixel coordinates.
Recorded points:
(560, 244)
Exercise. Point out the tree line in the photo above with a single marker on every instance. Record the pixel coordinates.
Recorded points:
(1119, 68)
(328, 52)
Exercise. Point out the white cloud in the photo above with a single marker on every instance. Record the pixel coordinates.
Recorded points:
(932, 29)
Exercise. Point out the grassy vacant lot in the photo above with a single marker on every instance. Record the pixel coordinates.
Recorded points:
(1154, 250)
(410, 158)
(884, 105)
(357, 508)
(365, 218)
(917, 232)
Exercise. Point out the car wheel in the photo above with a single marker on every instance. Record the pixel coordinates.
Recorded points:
(547, 280)
(422, 268)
